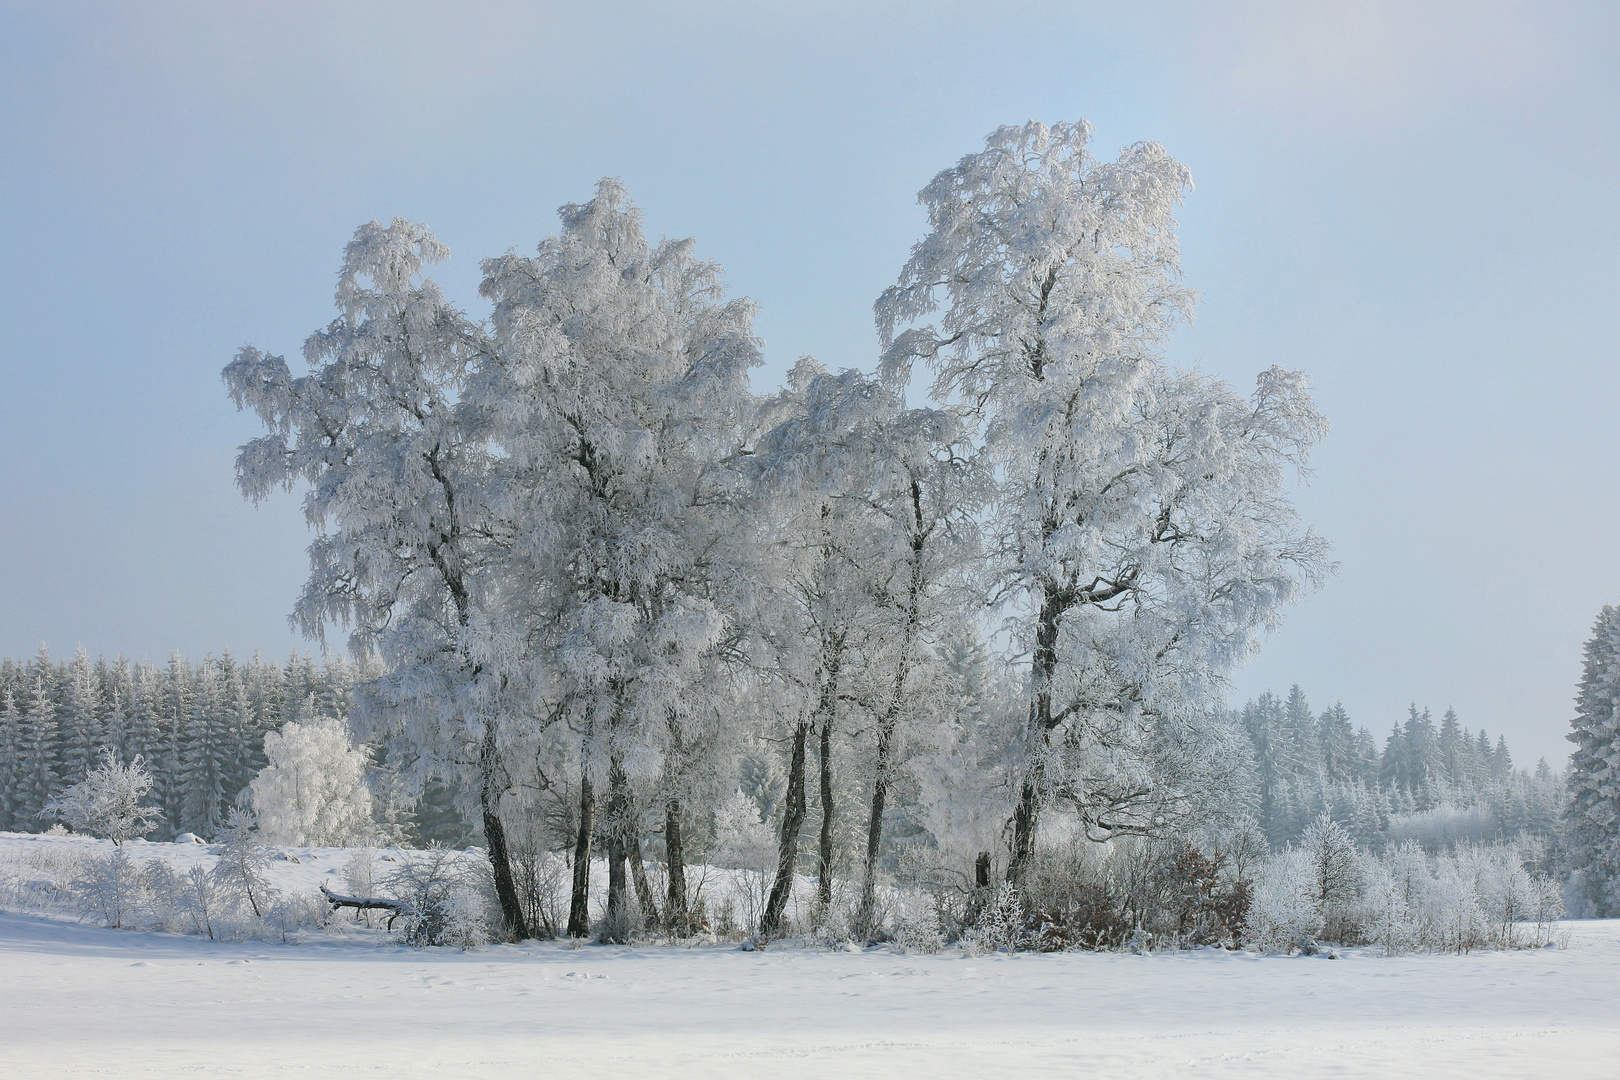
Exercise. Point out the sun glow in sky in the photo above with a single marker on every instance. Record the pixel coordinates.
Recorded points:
(1413, 203)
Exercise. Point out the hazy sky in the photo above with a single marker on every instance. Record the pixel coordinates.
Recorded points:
(1414, 203)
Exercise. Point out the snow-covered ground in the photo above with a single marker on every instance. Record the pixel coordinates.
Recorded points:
(82, 1001)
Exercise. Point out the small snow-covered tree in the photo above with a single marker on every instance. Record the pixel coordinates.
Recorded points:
(1336, 876)
(1594, 773)
(313, 792)
(107, 802)
(243, 870)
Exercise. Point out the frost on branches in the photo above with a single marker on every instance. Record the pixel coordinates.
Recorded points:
(1594, 774)
(107, 802)
(313, 792)
(615, 592)
(1144, 534)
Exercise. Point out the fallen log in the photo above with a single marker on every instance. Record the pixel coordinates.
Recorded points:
(395, 908)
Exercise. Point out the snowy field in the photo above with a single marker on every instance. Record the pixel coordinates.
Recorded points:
(78, 1000)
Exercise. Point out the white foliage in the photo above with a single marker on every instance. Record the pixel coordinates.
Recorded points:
(1144, 534)
(107, 802)
(313, 790)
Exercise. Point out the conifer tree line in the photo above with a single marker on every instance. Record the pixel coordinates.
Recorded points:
(1436, 784)
(1594, 775)
(199, 728)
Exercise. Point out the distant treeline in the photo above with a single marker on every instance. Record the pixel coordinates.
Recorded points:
(199, 727)
(1433, 783)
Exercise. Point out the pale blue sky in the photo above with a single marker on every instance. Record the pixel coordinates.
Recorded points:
(1414, 203)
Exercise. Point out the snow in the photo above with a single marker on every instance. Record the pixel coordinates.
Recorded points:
(83, 1001)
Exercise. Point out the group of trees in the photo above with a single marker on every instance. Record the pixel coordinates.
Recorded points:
(610, 585)
(199, 728)
(611, 602)
(1430, 783)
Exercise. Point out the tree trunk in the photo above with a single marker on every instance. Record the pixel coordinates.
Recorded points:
(677, 919)
(676, 916)
(617, 927)
(638, 875)
(579, 911)
(495, 835)
(825, 856)
(770, 923)
(1026, 818)
(866, 914)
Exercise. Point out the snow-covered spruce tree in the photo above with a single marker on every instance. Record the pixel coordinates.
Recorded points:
(1143, 523)
(79, 717)
(400, 489)
(10, 755)
(107, 802)
(37, 772)
(616, 385)
(1594, 773)
(313, 792)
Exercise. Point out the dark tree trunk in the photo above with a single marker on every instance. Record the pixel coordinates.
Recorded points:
(770, 923)
(981, 871)
(676, 916)
(1026, 818)
(638, 874)
(617, 927)
(495, 835)
(824, 860)
(579, 909)
(866, 914)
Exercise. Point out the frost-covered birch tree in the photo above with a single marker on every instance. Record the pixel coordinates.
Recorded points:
(878, 507)
(313, 790)
(617, 386)
(1142, 524)
(400, 475)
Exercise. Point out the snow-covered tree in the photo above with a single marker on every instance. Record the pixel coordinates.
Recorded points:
(400, 489)
(107, 802)
(313, 792)
(886, 499)
(1594, 771)
(1145, 532)
(616, 386)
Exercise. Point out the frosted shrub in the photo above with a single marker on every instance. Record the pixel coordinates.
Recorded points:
(449, 898)
(917, 926)
(163, 896)
(243, 867)
(360, 873)
(295, 911)
(1284, 912)
(1388, 918)
(107, 802)
(1457, 919)
(110, 889)
(207, 902)
(999, 927)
